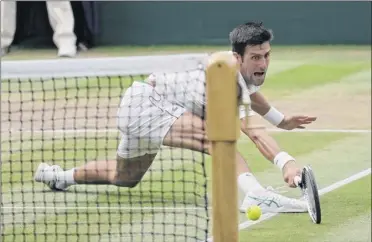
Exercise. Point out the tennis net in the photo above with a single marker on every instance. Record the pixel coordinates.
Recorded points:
(64, 112)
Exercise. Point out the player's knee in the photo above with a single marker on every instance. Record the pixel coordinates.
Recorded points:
(123, 180)
(129, 172)
(128, 184)
(126, 178)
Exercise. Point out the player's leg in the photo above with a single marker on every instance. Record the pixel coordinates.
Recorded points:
(134, 115)
(120, 172)
(187, 131)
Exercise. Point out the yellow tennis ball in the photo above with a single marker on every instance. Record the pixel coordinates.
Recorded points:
(253, 212)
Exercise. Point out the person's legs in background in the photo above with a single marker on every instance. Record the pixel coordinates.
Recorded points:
(61, 19)
(8, 24)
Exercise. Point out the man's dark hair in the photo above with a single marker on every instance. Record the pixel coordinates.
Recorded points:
(249, 34)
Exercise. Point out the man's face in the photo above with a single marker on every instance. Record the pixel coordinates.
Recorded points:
(254, 63)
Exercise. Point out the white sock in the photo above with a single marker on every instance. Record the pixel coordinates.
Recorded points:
(67, 177)
(247, 182)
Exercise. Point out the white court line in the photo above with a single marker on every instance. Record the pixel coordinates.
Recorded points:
(68, 131)
(322, 130)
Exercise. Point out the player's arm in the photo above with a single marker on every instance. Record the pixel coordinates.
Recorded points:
(270, 149)
(261, 106)
(261, 138)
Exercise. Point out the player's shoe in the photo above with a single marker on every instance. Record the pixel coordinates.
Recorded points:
(271, 202)
(48, 175)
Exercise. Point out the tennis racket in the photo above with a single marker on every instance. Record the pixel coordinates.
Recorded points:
(309, 188)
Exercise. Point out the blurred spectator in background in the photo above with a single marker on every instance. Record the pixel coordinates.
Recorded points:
(61, 19)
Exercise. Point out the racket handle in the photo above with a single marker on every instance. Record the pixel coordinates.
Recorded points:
(297, 180)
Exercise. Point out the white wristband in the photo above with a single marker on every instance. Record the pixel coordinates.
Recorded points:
(274, 116)
(282, 158)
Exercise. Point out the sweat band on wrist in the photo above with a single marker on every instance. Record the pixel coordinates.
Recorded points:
(274, 116)
(282, 158)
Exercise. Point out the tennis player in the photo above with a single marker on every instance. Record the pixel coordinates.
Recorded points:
(169, 109)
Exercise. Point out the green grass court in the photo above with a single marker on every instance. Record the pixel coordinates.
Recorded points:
(333, 83)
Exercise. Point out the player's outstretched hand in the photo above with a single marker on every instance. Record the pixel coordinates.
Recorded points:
(296, 122)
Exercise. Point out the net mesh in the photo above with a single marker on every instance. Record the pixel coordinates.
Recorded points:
(70, 118)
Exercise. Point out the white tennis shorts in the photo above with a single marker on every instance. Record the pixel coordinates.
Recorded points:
(144, 119)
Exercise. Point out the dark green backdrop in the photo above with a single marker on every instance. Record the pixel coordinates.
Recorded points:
(152, 23)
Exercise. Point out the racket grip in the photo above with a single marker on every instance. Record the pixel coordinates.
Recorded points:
(297, 180)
